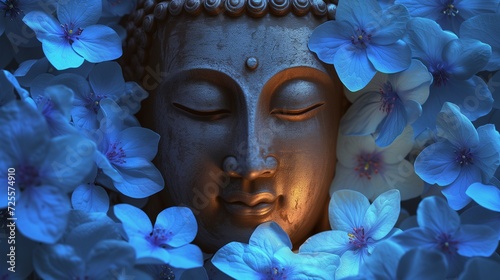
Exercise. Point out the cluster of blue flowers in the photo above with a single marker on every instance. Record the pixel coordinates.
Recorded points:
(423, 79)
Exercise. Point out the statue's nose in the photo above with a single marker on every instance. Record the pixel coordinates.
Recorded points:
(250, 165)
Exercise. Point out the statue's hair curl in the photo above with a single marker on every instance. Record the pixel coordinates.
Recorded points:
(141, 24)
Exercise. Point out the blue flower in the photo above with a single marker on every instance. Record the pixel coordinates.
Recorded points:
(75, 37)
(388, 104)
(390, 261)
(269, 256)
(486, 195)
(47, 170)
(480, 268)
(440, 229)
(125, 153)
(364, 167)
(90, 250)
(89, 196)
(357, 227)
(363, 40)
(117, 8)
(453, 63)
(483, 28)
(463, 156)
(449, 13)
(168, 241)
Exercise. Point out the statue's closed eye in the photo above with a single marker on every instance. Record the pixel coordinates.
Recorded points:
(297, 114)
(209, 115)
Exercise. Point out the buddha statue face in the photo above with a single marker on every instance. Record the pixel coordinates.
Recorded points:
(248, 119)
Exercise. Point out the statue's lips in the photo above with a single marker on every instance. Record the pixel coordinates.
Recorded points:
(249, 204)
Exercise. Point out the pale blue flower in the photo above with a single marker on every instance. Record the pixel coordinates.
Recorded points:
(440, 229)
(362, 40)
(484, 28)
(357, 227)
(75, 36)
(464, 156)
(388, 104)
(453, 63)
(168, 241)
(47, 170)
(269, 256)
(450, 14)
(125, 153)
(364, 167)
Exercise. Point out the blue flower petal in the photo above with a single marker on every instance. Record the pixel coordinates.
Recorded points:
(353, 67)
(58, 261)
(435, 214)
(270, 237)
(135, 221)
(455, 127)
(426, 39)
(107, 79)
(413, 111)
(43, 213)
(98, 43)
(392, 126)
(330, 241)
(350, 264)
(390, 26)
(347, 210)
(413, 83)
(186, 257)
(436, 164)
(90, 198)
(327, 38)
(476, 240)
(469, 9)
(487, 154)
(81, 13)
(416, 237)
(480, 268)
(382, 214)
(384, 260)
(229, 259)
(116, 254)
(481, 28)
(361, 13)
(390, 58)
(139, 142)
(420, 263)
(455, 192)
(180, 223)
(466, 57)
(424, 8)
(487, 196)
(363, 116)
(139, 178)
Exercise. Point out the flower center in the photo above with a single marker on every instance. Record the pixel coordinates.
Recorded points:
(361, 38)
(276, 273)
(93, 101)
(116, 154)
(440, 75)
(70, 34)
(368, 164)
(446, 244)
(388, 97)
(357, 238)
(464, 156)
(45, 104)
(10, 8)
(450, 9)
(28, 175)
(159, 236)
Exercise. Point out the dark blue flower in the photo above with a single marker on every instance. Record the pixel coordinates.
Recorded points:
(47, 170)
(463, 157)
(449, 13)
(453, 63)
(362, 40)
(75, 37)
(484, 28)
(440, 229)
(117, 8)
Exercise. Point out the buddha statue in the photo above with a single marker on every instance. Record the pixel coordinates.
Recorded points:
(248, 116)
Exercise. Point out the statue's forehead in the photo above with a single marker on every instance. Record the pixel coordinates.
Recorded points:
(226, 45)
